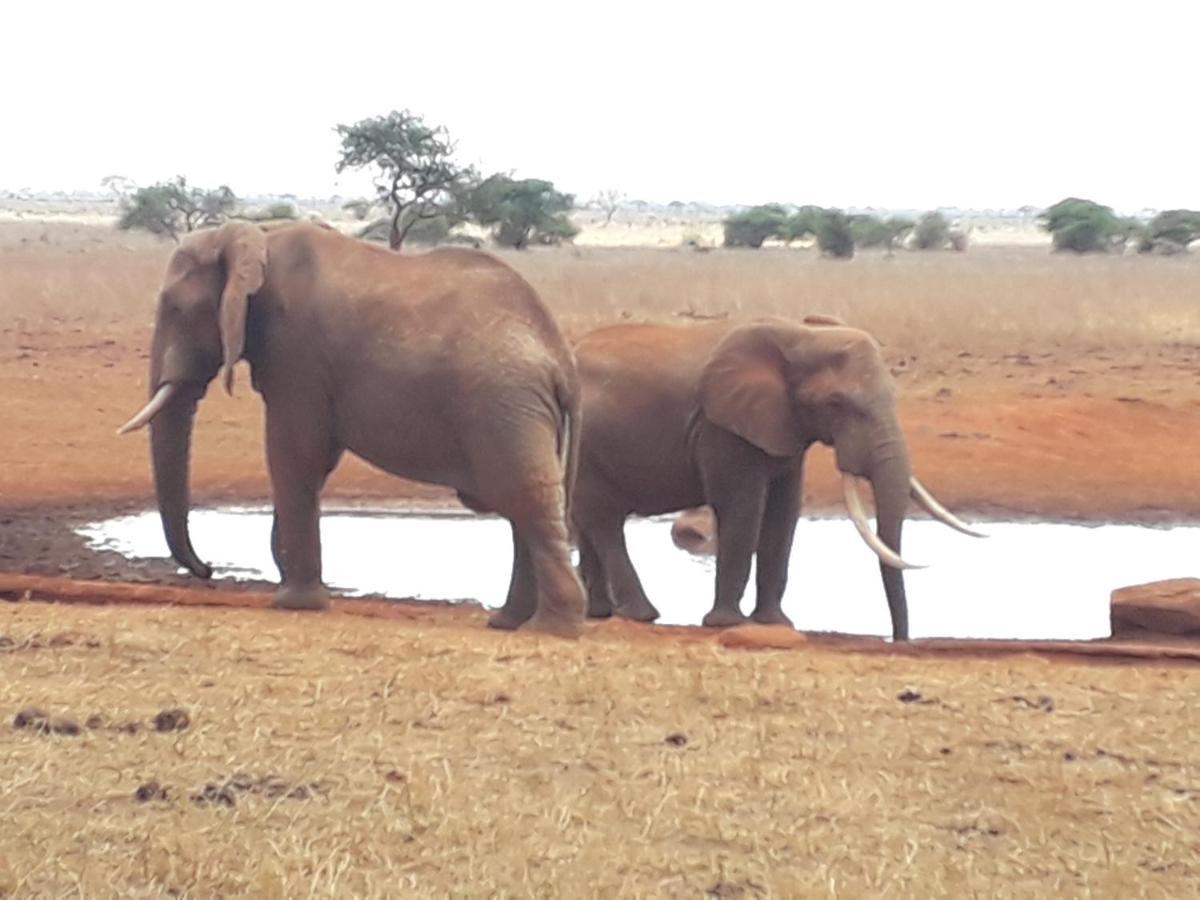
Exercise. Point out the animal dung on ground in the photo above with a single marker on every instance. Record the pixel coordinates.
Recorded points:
(172, 720)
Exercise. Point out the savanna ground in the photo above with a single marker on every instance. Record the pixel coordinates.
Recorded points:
(412, 752)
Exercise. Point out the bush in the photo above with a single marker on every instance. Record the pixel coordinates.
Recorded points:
(1170, 232)
(835, 234)
(428, 232)
(872, 231)
(932, 232)
(359, 208)
(1084, 226)
(172, 208)
(271, 213)
(521, 212)
(283, 210)
(751, 227)
(800, 224)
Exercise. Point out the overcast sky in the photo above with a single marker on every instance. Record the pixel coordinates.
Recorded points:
(901, 103)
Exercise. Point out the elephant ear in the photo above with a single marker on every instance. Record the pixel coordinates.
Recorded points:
(744, 389)
(241, 248)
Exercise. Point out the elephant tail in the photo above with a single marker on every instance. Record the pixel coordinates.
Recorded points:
(569, 435)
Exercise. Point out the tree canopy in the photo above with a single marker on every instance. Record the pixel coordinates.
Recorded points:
(521, 211)
(751, 227)
(172, 208)
(415, 173)
(1084, 226)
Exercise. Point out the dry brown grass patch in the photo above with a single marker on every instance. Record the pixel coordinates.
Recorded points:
(427, 761)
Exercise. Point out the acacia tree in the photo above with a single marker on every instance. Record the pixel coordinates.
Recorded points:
(521, 211)
(1084, 226)
(609, 201)
(172, 208)
(872, 231)
(415, 175)
(835, 237)
(751, 227)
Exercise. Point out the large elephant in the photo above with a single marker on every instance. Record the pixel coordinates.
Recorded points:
(444, 368)
(721, 414)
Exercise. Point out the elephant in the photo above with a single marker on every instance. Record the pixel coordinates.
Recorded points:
(721, 415)
(444, 367)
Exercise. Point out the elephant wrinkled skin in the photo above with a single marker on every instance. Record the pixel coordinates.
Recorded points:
(721, 415)
(444, 367)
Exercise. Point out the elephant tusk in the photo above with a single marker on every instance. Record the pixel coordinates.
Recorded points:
(160, 399)
(858, 515)
(921, 494)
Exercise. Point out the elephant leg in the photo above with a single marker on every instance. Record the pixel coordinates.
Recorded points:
(739, 513)
(299, 457)
(521, 601)
(775, 547)
(517, 473)
(595, 581)
(627, 596)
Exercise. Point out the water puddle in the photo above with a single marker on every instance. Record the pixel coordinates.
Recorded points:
(1027, 580)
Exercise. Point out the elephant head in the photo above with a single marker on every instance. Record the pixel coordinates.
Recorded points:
(782, 386)
(199, 331)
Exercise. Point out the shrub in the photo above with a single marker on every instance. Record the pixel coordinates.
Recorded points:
(872, 231)
(751, 227)
(359, 208)
(1170, 231)
(521, 211)
(1084, 226)
(835, 234)
(274, 212)
(800, 224)
(932, 232)
(172, 208)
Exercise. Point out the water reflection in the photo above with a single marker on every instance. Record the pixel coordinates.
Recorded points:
(1039, 580)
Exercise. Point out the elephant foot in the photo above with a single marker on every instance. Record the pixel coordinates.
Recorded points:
(771, 616)
(306, 597)
(555, 623)
(505, 619)
(724, 617)
(598, 610)
(640, 610)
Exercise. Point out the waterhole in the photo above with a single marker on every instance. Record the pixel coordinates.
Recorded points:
(1026, 580)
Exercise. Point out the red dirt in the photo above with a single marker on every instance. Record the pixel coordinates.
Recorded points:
(1081, 435)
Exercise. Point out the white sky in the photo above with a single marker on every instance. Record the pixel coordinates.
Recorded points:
(902, 103)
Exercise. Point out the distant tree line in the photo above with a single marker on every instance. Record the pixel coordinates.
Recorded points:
(424, 193)
(837, 233)
(1084, 226)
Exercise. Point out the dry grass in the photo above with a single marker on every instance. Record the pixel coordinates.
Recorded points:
(1008, 299)
(991, 299)
(438, 761)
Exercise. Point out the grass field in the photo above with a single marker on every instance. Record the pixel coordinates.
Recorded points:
(992, 298)
(336, 757)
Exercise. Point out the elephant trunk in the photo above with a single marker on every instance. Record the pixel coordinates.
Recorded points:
(890, 474)
(171, 445)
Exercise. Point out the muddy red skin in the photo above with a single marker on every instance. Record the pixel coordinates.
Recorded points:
(444, 368)
(721, 415)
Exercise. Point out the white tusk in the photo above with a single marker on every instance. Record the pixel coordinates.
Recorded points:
(921, 494)
(160, 399)
(858, 515)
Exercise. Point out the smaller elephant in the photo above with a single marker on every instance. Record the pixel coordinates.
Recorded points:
(721, 415)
